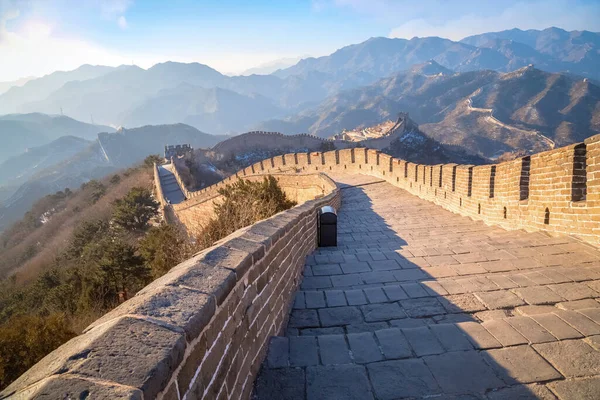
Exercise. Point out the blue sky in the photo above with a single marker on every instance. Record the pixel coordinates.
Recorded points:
(41, 36)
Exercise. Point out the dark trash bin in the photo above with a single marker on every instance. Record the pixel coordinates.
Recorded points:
(327, 227)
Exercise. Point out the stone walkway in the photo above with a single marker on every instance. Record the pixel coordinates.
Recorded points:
(418, 302)
(169, 185)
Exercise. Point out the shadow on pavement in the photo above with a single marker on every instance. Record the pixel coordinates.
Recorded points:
(411, 304)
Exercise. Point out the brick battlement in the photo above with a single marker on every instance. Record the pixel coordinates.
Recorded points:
(177, 150)
(557, 191)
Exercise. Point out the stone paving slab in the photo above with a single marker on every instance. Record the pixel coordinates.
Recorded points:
(418, 302)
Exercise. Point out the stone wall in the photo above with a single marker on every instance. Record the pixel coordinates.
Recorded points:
(276, 141)
(194, 213)
(187, 193)
(267, 141)
(556, 191)
(200, 331)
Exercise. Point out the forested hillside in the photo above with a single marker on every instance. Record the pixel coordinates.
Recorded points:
(74, 256)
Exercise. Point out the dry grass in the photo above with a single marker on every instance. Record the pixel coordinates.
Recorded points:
(243, 203)
(52, 238)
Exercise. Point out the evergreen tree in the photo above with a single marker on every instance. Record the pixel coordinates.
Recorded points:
(162, 248)
(133, 211)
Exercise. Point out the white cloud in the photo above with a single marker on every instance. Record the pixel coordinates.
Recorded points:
(122, 21)
(520, 15)
(457, 19)
(113, 8)
(34, 51)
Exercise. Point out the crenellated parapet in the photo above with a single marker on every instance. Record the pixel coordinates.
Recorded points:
(179, 150)
(557, 191)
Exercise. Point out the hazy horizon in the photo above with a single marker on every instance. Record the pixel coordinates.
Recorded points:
(233, 36)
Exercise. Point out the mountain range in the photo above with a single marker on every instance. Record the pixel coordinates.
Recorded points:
(4, 86)
(17, 169)
(272, 66)
(486, 112)
(173, 92)
(551, 49)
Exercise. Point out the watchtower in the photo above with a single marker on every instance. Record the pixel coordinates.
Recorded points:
(177, 151)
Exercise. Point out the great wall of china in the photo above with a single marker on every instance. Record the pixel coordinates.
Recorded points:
(202, 330)
(555, 191)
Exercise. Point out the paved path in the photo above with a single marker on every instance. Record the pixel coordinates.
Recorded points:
(418, 302)
(170, 187)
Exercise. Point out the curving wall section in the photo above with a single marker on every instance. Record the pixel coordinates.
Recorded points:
(195, 212)
(556, 191)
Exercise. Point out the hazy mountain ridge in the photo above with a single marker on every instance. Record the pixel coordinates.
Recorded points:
(272, 66)
(115, 96)
(55, 126)
(19, 132)
(128, 146)
(40, 88)
(5, 86)
(128, 94)
(18, 168)
(552, 49)
(212, 110)
(70, 173)
(558, 50)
